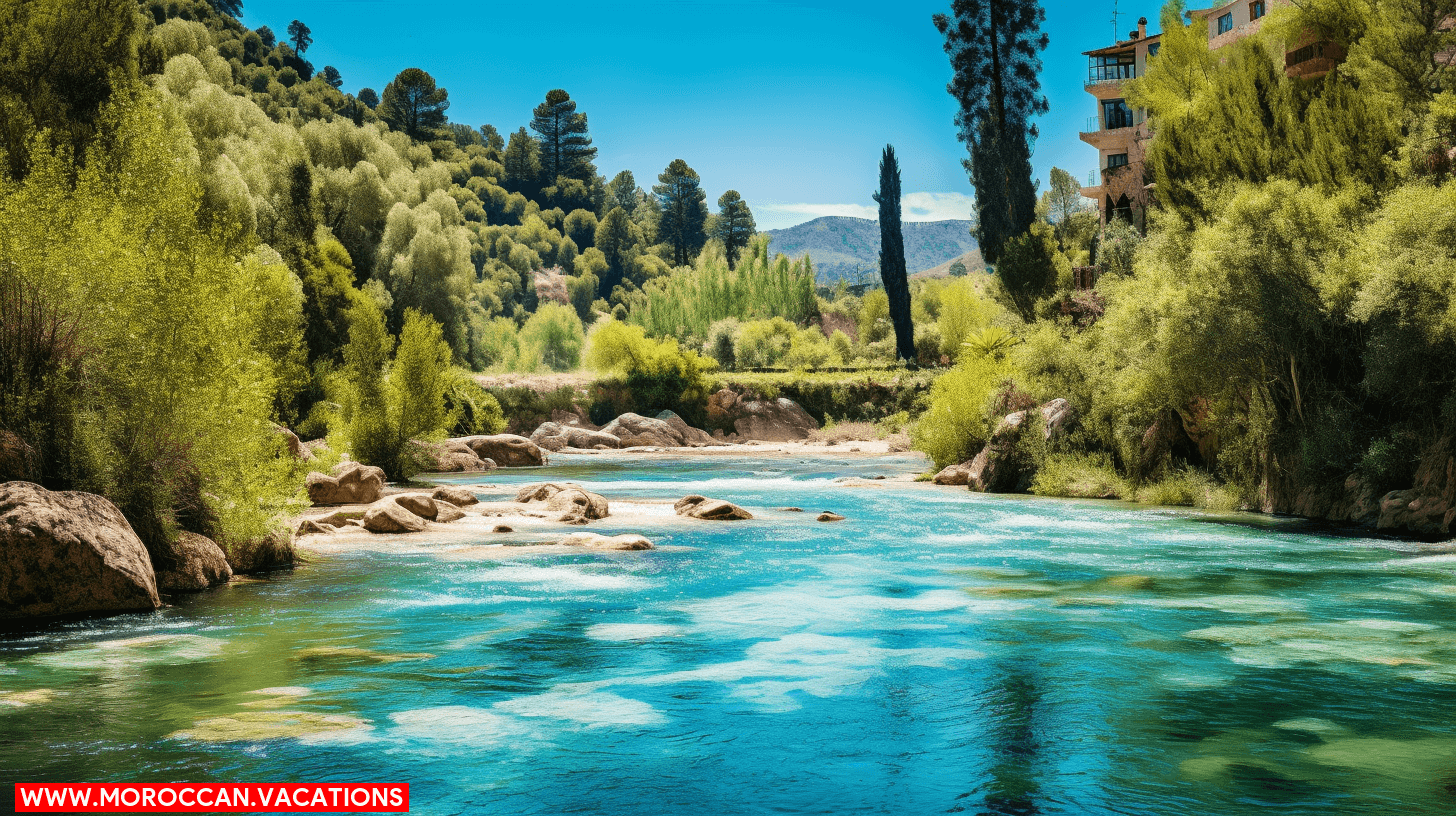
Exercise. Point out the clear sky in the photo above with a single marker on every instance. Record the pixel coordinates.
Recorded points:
(787, 101)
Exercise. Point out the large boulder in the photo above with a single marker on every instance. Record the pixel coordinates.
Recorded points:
(349, 483)
(554, 436)
(701, 507)
(506, 450)
(636, 431)
(999, 467)
(954, 475)
(692, 437)
(575, 504)
(197, 563)
(390, 516)
(263, 554)
(765, 420)
(458, 496)
(453, 456)
(69, 552)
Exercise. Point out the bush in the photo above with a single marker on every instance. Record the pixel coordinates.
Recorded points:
(476, 410)
(495, 345)
(809, 349)
(1188, 488)
(656, 375)
(764, 343)
(722, 342)
(957, 425)
(1080, 476)
(553, 335)
(874, 317)
(1117, 246)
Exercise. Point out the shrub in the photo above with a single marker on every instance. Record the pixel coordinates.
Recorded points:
(764, 343)
(553, 335)
(809, 349)
(957, 424)
(476, 410)
(722, 342)
(1117, 246)
(874, 317)
(1188, 488)
(656, 374)
(1080, 476)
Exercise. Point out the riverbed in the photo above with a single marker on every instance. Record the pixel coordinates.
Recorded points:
(938, 651)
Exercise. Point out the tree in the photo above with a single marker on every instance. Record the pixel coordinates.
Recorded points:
(299, 35)
(267, 36)
(684, 211)
(892, 255)
(1065, 195)
(332, 76)
(735, 225)
(232, 7)
(616, 238)
(492, 137)
(1027, 271)
(367, 96)
(59, 61)
(566, 148)
(994, 48)
(522, 160)
(413, 105)
(622, 191)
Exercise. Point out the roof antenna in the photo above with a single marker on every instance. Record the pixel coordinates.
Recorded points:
(1115, 15)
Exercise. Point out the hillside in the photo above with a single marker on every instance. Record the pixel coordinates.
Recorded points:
(972, 261)
(850, 247)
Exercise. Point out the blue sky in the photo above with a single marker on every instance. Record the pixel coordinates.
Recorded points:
(790, 103)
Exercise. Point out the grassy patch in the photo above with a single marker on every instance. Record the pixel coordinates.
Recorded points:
(1079, 477)
(1188, 488)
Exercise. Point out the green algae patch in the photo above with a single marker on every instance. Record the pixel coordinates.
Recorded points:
(265, 726)
(22, 699)
(1028, 590)
(356, 654)
(1417, 760)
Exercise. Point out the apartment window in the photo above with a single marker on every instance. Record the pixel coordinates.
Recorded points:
(1117, 66)
(1226, 23)
(1116, 114)
(1153, 49)
(1256, 9)
(1116, 160)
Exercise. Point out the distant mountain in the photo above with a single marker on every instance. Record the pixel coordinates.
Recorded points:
(850, 247)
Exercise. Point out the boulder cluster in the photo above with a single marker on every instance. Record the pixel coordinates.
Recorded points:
(1000, 467)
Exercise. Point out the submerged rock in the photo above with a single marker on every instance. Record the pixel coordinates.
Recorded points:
(69, 552)
(261, 726)
(506, 450)
(601, 542)
(197, 564)
(350, 483)
(828, 516)
(458, 496)
(576, 505)
(554, 436)
(502, 528)
(701, 507)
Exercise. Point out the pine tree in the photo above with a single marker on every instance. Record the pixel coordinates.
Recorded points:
(522, 160)
(300, 35)
(617, 239)
(734, 226)
(994, 48)
(684, 211)
(892, 255)
(566, 147)
(414, 105)
(233, 7)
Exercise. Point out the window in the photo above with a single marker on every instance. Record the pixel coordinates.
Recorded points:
(1256, 9)
(1115, 67)
(1153, 49)
(1305, 54)
(1226, 23)
(1116, 114)
(1116, 160)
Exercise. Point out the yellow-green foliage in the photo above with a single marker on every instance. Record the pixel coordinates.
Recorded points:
(760, 287)
(764, 343)
(658, 374)
(963, 310)
(186, 356)
(1080, 476)
(957, 424)
(554, 337)
(1188, 488)
(874, 317)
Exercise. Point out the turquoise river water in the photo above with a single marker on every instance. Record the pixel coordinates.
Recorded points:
(937, 652)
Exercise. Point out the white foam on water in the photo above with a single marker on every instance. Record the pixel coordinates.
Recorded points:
(460, 725)
(284, 691)
(632, 631)
(592, 709)
(126, 653)
(561, 578)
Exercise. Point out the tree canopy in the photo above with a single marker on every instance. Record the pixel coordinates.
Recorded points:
(413, 105)
(734, 226)
(566, 147)
(684, 220)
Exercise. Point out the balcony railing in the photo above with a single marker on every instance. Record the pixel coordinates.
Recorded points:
(1115, 119)
(1111, 73)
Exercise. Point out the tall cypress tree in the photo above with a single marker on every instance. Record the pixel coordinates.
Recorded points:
(995, 50)
(566, 148)
(892, 255)
(684, 211)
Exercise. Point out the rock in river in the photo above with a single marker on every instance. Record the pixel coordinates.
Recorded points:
(506, 450)
(601, 542)
(458, 496)
(554, 436)
(389, 516)
(576, 505)
(350, 483)
(700, 507)
(197, 563)
(66, 552)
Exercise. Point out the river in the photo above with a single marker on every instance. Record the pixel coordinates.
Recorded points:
(938, 651)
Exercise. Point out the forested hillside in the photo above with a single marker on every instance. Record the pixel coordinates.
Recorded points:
(847, 247)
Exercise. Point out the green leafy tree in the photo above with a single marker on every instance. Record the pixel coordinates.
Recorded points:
(566, 147)
(734, 225)
(418, 380)
(300, 35)
(554, 336)
(1065, 196)
(994, 48)
(617, 238)
(413, 105)
(1027, 272)
(892, 255)
(683, 224)
(368, 97)
(522, 162)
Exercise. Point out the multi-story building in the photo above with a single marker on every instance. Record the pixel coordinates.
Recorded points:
(1118, 131)
(1121, 133)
